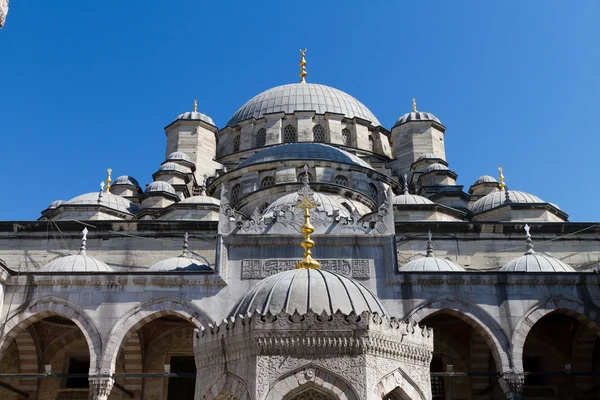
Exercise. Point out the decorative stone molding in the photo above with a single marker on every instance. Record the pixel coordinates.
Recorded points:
(100, 387)
(258, 269)
(311, 376)
(511, 383)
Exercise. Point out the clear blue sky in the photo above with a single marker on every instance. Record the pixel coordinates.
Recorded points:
(87, 85)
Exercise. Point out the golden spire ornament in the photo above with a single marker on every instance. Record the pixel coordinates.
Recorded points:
(108, 180)
(195, 105)
(414, 105)
(307, 203)
(501, 185)
(303, 66)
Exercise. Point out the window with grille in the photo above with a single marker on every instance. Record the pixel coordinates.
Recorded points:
(347, 136)
(289, 134)
(319, 134)
(341, 180)
(235, 194)
(373, 191)
(261, 137)
(438, 391)
(267, 181)
(371, 144)
(301, 177)
(236, 143)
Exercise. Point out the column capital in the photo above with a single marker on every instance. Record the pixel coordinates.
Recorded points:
(512, 383)
(100, 386)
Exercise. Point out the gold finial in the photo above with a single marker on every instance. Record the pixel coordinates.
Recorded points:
(303, 66)
(108, 180)
(195, 105)
(501, 185)
(414, 104)
(307, 229)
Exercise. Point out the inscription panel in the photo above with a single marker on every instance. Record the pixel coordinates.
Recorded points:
(258, 269)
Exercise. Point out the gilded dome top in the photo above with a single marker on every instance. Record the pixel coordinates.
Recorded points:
(303, 97)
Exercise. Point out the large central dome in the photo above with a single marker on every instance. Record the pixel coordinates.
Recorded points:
(303, 97)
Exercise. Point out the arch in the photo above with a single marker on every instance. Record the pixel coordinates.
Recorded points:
(267, 181)
(480, 320)
(236, 143)
(228, 387)
(48, 306)
(289, 134)
(582, 358)
(347, 137)
(132, 362)
(57, 344)
(235, 193)
(341, 180)
(28, 360)
(311, 375)
(319, 134)
(374, 193)
(397, 384)
(565, 304)
(163, 342)
(261, 137)
(137, 317)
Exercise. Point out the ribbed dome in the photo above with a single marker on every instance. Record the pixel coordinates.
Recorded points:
(55, 204)
(303, 290)
(160, 186)
(109, 200)
(76, 263)
(408, 198)
(498, 198)
(416, 116)
(126, 180)
(179, 156)
(485, 179)
(327, 202)
(427, 156)
(303, 97)
(536, 263)
(201, 200)
(194, 115)
(430, 264)
(180, 264)
(303, 151)
(436, 167)
(171, 166)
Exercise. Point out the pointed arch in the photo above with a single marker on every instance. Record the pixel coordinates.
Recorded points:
(137, 317)
(228, 386)
(398, 385)
(49, 306)
(476, 317)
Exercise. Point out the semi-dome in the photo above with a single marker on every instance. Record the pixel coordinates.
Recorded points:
(195, 116)
(160, 186)
(201, 199)
(302, 290)
(108, 200)
(327, 202)
(430, 263)
(485, 179)
(126, 180)
(416, 116)
(498, 198)
(179, 156)
(304, 151)
(436, 167)
(303, 97)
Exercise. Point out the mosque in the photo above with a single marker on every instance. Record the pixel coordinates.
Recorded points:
(301, 251)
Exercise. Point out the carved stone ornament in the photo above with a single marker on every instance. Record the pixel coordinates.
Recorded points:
(100, 387)
(512, 383)
(258, 269)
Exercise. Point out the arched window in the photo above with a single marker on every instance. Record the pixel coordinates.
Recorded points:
(236, 143)
(373, 191)
(371, 143)
(267, 181)
(301, 177)
(289, 134)
(347, 137)
(261, 137)
(319, 134)
(235, 194)
(341, 180)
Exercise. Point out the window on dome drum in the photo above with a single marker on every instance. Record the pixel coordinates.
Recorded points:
(371, 144)
(267, 181)
(347, 136)
(261, 137)
(373, 191)
(289, 134)
(236, 143)
(319, 134)
(235, 194)
(341, 180)
(301, 177)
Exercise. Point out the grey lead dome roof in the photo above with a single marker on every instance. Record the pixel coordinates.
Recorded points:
(536, 263)
(160, 186)
(485, 179)
(126, 180)
(303, 97)
(180, 263)
(408, 198)
(305, 289)
(327, 202)
(498, 198)
(304, 151)
(430, 264)
(76, 263)
(109, 200)
(416, 116)
(194, 115)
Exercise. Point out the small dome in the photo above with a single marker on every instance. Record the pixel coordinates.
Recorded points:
(76, 263)
(171, 166)
(498, 198)
(408, 198)
(126, 180)
(536, 263)
(303, 97)
(427, 156)
(195, 116)
(327, 202)
(485, 179)
(436, 167)
(55, 204)
(201, 200)
(303, 290)
(179, 156)
(416, 116)
(109, 200)
(430, 264)
(180, 264)
(303, 151)
(160, 186)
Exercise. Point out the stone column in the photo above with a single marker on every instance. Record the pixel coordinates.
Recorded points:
(512, 384)
(100, 387)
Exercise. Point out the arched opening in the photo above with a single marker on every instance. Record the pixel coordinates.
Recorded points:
(319, 133)
(235, 194)
(261, 137)
(310, 392)
(267, 181)
(289, 134)
(236, 143)
(459, 347)
(347, 137)
(556, 346)
(341, 180)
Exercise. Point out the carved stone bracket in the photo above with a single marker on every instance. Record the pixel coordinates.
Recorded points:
(100, 387)
(512, 384)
